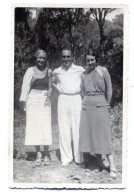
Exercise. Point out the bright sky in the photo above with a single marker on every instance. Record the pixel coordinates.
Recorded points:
(114, 13)
(109, 17)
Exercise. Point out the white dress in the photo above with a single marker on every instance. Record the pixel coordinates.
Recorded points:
(38, 110)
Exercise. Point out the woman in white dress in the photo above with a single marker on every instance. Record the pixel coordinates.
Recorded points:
(36, 89)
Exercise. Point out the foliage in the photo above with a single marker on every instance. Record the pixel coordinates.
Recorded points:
(114, 55)
(100, 16)
(55, 28)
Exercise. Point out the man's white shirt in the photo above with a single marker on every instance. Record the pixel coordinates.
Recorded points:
(68, 81)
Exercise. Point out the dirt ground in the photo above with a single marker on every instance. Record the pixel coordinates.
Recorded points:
(25, 171)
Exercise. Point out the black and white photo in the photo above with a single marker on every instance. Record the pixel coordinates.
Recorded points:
(68, 97)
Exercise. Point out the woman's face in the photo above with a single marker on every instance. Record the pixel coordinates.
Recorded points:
(90, 62)
(41, 59)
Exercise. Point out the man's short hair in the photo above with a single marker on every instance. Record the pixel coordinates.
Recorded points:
(67, 49)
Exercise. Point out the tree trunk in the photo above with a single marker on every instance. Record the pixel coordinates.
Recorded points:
(102, 39)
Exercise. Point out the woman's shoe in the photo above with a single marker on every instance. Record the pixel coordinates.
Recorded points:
(113, 174)
(46, 160)
(38, 159)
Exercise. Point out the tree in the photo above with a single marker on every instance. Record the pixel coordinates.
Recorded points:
(55, 28)
(114, 55)
(100, 16)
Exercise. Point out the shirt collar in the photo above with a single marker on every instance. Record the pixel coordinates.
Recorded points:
(71, 67)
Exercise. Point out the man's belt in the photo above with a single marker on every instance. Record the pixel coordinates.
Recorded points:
(62, 93)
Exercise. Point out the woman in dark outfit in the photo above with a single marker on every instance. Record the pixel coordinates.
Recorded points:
(36, 89)
(95, 135)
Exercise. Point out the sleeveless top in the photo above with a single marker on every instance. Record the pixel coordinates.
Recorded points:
(93, 82)
(40, 80)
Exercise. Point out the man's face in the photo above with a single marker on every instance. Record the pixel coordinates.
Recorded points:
(66, 58)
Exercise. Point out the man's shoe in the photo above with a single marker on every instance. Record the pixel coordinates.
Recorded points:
(65, 164)
(81, 165)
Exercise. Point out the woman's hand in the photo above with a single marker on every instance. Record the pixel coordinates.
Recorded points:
(108, 106)
(47, 101)
(49, 92)
(55, 87)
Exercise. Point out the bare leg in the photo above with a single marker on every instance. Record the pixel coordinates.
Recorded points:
(102, 161)
(112, 165)
(46, 153)
(38, 150)
(111, 162)
(46, 156)
(105, 161)
(39, 156)
(99, 160)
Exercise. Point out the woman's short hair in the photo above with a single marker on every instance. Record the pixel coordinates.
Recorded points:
(97, 54)
(38, 51)
(91, 52)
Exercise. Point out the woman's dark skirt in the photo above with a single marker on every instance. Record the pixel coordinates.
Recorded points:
(95, 131)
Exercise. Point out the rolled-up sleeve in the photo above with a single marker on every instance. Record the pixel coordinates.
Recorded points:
(26, 84)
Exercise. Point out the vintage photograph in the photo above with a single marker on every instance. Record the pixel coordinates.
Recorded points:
(68, 97)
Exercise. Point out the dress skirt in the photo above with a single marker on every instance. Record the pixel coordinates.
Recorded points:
(95, 131)
(38, 119)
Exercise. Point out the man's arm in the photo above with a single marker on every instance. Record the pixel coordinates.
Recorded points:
(50, 82)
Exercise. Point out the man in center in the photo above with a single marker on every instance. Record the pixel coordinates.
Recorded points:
(67, 81)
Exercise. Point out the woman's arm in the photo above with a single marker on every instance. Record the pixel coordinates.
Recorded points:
(108, 84)
(26, 87)
(82, 86)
